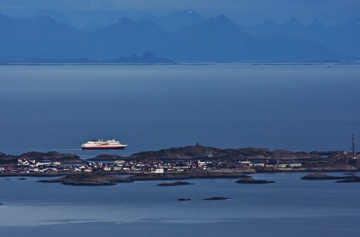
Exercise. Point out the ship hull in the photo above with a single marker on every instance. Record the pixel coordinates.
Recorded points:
(103, 148)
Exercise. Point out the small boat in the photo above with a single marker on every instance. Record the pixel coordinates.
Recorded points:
(100, 145)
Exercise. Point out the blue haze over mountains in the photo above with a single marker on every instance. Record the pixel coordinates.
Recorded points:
(182, 36)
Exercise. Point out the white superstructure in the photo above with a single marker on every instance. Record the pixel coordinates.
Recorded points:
(100, 144)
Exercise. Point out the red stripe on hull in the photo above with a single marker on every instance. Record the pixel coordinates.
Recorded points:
(102, 148)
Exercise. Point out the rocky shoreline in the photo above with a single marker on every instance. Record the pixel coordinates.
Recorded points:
(190, 152)
(339, 179)
(186, 175)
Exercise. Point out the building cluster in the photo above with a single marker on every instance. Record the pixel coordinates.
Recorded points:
(26, 166)
(29, 166)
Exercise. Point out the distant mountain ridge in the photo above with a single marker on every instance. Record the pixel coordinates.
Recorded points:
(179, 20)
(343, 39)
(187, 37)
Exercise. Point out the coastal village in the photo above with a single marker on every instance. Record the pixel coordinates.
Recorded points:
(32, 166)
(196, 159)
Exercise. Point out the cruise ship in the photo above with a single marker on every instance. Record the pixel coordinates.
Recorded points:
(100, 144)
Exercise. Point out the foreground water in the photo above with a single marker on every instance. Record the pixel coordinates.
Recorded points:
(294, 107)
(290, 207)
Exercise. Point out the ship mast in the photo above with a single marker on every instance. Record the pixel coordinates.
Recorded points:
(353, 146)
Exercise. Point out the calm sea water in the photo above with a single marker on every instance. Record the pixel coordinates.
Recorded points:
(295, 107)
(290, 207)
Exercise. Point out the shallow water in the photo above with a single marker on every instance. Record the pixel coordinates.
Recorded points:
(290, 207)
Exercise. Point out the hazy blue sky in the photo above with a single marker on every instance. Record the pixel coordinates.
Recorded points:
(245, 12)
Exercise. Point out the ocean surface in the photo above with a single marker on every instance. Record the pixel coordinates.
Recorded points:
(150, 107)
(289, 207)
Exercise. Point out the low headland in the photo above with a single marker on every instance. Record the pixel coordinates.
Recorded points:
(190, 162)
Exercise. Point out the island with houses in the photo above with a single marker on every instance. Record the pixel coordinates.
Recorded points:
(189, 162)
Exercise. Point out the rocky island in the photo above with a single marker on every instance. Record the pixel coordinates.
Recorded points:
(250, 180)
(199, 151)
(354, 179)
(84, 179)
(96, 179)
(215, 198)
(184, 199)
(178, 183)
(321, 176)
(340, 179)
(179, 163)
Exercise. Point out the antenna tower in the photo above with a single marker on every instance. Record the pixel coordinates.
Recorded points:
(353, 145)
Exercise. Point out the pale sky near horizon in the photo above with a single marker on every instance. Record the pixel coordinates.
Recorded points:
(244, 12)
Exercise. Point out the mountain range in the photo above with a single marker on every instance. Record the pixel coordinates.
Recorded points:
(182, 36)
(343, 39)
